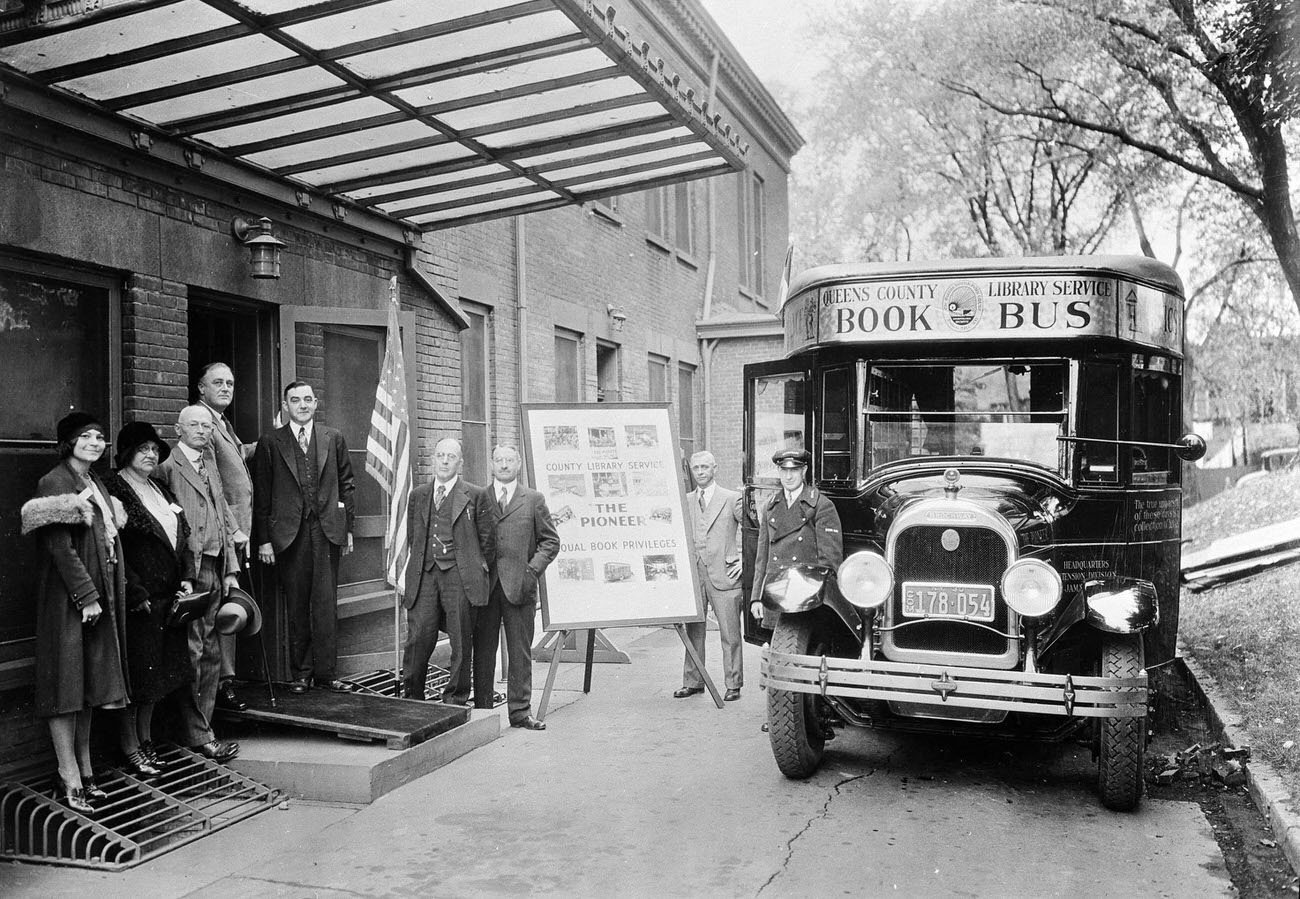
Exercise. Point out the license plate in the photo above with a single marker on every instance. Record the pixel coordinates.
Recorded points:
(965, 602)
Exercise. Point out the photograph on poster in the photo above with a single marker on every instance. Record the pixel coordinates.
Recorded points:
(614, 483)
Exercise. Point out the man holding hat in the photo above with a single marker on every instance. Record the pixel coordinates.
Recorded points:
(798, 526)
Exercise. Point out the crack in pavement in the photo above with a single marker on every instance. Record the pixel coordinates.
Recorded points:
(825, 810)
(294, 884)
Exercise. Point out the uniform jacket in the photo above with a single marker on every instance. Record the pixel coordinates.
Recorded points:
(721, 523)
(235, 479)
(77, 666)
(474, 534)
(182, 478)
(526, 539)
(808, 534)
(277, 497)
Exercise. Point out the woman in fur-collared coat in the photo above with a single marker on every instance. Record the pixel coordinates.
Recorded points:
(80, 614)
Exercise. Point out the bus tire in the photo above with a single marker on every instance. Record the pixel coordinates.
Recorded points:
(1122, 743)
(793, 726)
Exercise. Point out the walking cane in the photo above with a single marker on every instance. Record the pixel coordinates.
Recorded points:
(266, 668)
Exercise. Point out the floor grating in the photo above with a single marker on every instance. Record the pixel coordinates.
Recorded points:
(382, 682)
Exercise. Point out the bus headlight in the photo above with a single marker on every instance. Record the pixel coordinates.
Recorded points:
(1031, 587)
(866, 580)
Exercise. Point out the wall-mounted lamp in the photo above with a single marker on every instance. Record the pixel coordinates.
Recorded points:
(617, 317)
(263, 248)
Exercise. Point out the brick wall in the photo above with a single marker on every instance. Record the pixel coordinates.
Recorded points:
(155, 358)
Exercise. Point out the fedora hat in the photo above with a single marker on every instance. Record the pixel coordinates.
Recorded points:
(238, 614)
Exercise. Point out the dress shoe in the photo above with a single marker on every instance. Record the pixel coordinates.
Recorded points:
(338, 686)
(138, 764)
(93, 792)
(731, 696)
(74, 798)
(227, 700)
(150, 752)
(300, 685)
(529, 723)
(687, 691)
(217, 750)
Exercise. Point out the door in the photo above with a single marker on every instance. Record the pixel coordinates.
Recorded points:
(340, 352)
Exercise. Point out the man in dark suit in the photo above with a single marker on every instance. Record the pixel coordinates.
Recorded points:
(303, 516)
(452, 526)
(191, 474)
(526, 543)
(216, 390)
(713, 513)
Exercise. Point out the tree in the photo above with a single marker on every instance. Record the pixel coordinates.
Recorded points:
(1208, 88)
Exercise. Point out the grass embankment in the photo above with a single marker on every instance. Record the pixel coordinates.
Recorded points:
(1247, 634)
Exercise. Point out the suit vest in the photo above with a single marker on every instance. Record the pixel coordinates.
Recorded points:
(441, 550)
(308, 477)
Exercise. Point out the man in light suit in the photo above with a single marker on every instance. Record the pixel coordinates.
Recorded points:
(191, 474)
(452, 526)
(526, 543)
(303, 516)
(713, 514)
(216, 390)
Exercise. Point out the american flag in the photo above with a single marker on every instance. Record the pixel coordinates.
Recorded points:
(388, 448)
(784, 287)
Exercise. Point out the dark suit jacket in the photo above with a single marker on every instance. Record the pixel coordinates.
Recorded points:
(809, 534)
(474, 534)
(277, 496)
(526, 539)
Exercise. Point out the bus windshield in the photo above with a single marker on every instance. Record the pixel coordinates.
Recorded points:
(1010, 409)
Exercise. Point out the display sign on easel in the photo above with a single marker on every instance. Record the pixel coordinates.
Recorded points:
(610, 475)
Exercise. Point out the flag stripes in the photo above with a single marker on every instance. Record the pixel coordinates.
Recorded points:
(388, 447)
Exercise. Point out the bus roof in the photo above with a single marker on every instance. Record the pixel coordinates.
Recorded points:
(1127, 298)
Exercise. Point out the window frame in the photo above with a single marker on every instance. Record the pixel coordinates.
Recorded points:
(476, 468)
(568, 336)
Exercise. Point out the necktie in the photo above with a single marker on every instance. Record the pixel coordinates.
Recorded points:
(202, 469)
(303, 440)
(703, 505)
(230, 429)
(501, 499)
(439, 493)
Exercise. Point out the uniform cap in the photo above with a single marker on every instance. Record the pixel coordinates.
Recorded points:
(791, 458)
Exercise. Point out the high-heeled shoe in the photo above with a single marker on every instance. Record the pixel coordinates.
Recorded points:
(94, 793)
(74, 798)
(139, 765)
(150, 752)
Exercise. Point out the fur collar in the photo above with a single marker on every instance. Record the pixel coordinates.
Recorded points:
(65, 508)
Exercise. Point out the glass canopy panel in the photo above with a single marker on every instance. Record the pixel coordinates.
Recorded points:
(296, 122)
(179, 68)
(572, 127)
(537, 71)
(236, 96)
(393, 162)
(384, 19)
(431, 182)
(105, 38)
(462, 212)
(339, 144)
(507, 111)
(642, 177)
(607, 146)
(444, 50)
(664, 156)
(472, 193)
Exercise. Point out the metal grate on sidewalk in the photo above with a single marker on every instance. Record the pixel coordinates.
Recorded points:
(383, 682)
(140, 819)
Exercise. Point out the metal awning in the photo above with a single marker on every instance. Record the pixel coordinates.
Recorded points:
(430, 112)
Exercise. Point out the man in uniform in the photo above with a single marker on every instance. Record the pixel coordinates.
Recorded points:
(798, 526)
(453, 532)
(526, 543)
(303, 516)
(216, 391)
(713, 513)
(191, 474)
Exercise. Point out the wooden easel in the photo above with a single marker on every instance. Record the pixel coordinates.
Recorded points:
(591, 650)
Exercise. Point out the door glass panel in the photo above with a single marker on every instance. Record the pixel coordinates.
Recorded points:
(778, 419)
(837, 425)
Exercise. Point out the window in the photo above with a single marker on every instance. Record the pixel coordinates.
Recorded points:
(474, 396)
(686, 408)
(656, 212)
(658, 372)
(1156, 406)
(777, 417)
(609, 381)
(684, 217)
(752, 215)
(568, 366)
(838, 430)
(55, 337)
(610, 203)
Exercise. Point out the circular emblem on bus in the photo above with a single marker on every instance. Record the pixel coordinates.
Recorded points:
(963, 305)
(950, 539)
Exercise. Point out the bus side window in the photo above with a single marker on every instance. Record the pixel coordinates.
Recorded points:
(838, 424)
(1098, 404)
(1155, 420)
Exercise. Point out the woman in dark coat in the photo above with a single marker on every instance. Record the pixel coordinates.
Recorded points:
(156, 552)
(80, 627)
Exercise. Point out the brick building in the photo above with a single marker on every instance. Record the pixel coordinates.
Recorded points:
(622, 241)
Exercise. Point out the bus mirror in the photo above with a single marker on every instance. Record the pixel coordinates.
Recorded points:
(1190, 447)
